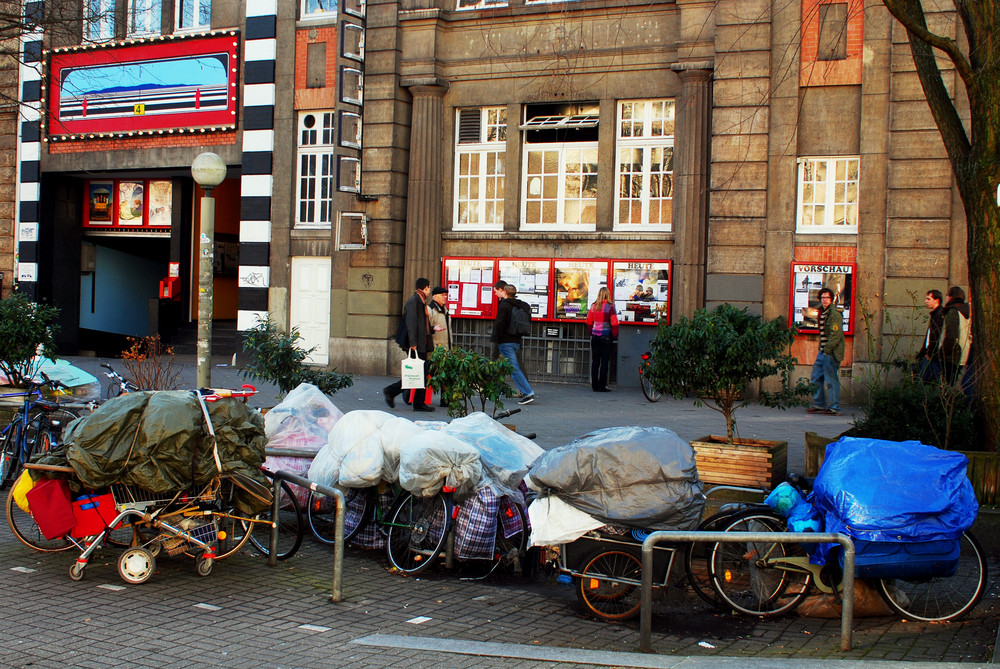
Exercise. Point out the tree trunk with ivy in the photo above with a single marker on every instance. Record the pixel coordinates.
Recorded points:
(975, 158)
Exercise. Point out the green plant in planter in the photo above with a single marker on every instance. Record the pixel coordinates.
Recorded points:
(279, 359)
(24, 327)
(715, 355)
(460, 377)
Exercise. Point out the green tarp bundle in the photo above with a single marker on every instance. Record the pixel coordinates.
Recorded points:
(158, 441)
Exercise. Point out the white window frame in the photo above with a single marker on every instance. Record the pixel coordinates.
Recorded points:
(491, 148)
(639, 132)
(321, 14)
(465, 5)
(316, 169)
(144, 17)
(533, 190)
(103, 21)
(831, 193)
(197, 5)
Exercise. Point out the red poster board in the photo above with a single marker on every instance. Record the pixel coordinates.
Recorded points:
(158, 86)
(533, 279)
(128, 203)
(807, 280)
(642, 290)
(470, 286)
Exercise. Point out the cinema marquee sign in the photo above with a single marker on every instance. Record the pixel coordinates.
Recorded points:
(153, 86)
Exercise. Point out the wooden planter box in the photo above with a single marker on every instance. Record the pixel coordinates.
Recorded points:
(754, 463)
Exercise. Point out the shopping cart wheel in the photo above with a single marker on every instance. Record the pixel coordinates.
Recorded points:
(77, 571)
(204, 565)
(136, 565)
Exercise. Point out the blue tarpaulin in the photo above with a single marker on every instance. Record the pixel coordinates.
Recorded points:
(894, 491)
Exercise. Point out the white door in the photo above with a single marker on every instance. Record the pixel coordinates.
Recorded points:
(310, 305)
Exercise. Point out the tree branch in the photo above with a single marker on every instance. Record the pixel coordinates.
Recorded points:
(911, 15)
(956, 139)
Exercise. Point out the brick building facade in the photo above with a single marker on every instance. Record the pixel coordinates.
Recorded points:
(732, 151)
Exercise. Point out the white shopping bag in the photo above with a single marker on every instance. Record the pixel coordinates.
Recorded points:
(412, 372)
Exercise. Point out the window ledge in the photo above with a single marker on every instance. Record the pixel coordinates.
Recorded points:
(312, 232)
(518, 235)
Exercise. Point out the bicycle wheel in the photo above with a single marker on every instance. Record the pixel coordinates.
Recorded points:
(289, 526)
(10, 461)
(512, 537)
(747, 575)
(610, 585)
(417, 533)
(24, 527)
(321, 514)
(46, 427)
(647, 389)
(696, 561)
(943, 598)
(233, 526)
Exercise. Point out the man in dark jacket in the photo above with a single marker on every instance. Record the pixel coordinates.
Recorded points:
(955, 337)
(510, 343)
(418, 340)
(826, 369)
(929, 355)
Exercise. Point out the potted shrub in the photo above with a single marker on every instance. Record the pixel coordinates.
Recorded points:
(715, 356)
(462, 377)
(279, 359)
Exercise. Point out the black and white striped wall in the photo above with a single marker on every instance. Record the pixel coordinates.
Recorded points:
(257, 181)
(29, 153)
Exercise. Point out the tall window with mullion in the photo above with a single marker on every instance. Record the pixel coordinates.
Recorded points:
(828, 194)
(480, 152)
(560, 166)
(99, 20)
(645, 141)
(144, 17)
(317, 169)
(193, 14)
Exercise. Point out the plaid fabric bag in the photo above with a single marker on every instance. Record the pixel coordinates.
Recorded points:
(369, 536)
(476, 526)
(510, 519)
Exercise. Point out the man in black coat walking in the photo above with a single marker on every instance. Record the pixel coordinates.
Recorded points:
(418, 340)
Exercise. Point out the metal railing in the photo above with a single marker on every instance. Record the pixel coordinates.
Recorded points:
(847, 608)
(338, 527)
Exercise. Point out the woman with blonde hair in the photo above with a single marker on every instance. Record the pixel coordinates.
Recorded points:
(602, 321)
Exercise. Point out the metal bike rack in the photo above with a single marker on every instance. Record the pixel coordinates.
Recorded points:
(338, 526)
(847, 608)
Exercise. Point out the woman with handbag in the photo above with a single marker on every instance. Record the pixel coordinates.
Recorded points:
(602, 321)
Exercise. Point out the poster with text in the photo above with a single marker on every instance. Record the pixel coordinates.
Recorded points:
(531, 278)
(576, 285)
(469, 282)
(807, 281)
(641, 290)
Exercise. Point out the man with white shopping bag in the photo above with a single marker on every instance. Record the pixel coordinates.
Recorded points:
(418, 345)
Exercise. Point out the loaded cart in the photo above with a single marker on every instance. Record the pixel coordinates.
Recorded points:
(175, 472)
(600, 496)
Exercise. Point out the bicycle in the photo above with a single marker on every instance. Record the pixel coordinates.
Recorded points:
(289, 524)
(36, 428)
(648, 391)
(118, 385)
(765, 579)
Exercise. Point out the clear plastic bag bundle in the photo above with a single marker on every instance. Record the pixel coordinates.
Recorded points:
(506, 455)
(430, 460)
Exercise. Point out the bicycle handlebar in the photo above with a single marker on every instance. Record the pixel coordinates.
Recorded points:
(507, 413)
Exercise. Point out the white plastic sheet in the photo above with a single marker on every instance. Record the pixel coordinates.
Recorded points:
(505, 454)
(553, 521)
(353, 455)
(430, 460)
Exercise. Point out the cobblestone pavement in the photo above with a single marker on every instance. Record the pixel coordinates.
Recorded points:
(246, 614)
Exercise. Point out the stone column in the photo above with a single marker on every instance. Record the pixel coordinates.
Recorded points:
(424, 205)
(691, 156)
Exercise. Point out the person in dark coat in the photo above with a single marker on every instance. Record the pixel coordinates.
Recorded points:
(418, 339)
(929, 355)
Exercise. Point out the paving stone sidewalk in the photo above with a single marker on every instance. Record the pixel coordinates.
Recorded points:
(246, 614)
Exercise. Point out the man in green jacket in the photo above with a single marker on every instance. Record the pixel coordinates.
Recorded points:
(826, 369)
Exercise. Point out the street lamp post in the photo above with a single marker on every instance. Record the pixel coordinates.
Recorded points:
(208, 171)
